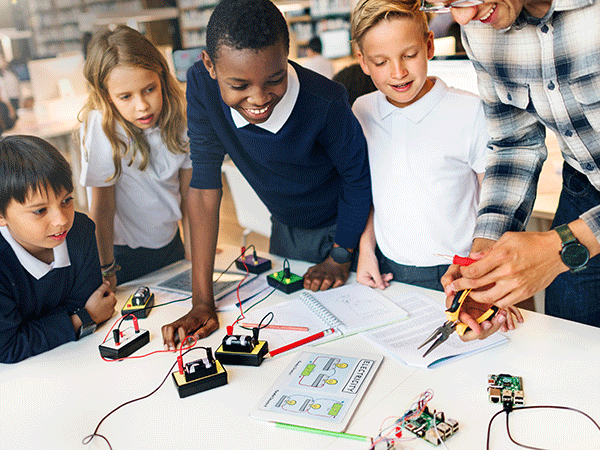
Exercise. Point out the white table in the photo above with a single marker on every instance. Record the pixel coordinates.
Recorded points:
(53, 400)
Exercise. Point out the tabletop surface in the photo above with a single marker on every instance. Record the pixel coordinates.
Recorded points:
(52, 401)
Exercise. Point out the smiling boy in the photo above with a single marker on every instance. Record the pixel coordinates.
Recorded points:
(292, 135)
(51, 289)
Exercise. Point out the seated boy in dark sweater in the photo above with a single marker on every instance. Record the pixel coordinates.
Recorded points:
(291, 133)
(51, 289)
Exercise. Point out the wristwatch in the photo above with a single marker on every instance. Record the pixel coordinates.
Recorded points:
(88, 326)
(340, 255)
(573, 254)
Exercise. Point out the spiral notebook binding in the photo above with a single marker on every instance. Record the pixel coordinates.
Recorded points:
(323, 313)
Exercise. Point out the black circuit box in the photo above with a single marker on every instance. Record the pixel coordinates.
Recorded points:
(254, 265)
(204, 383)
(129, 342)
(288, 283)
(254, 357)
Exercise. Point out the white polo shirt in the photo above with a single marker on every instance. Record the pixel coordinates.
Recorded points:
(34, 266)
(147, 202)
(424, 160)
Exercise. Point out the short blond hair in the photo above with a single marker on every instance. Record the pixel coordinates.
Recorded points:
(369, 13)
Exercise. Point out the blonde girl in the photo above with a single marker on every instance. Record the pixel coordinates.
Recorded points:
(135, 155)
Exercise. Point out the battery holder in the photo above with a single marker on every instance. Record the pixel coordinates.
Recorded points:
(242, 350)
(285, 281)
(139, 304)
(127, 342)
(255, 264)
(199, 376)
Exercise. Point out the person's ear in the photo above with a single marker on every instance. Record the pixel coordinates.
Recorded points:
(210, 67)
(362, 62)
(3, 222)
(430, 45)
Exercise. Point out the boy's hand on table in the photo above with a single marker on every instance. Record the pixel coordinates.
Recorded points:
(201, 321)
(367, 272)
(326, 275)
(101, 304)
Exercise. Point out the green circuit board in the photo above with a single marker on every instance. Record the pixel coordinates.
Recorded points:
(424, 426)
(505, 388)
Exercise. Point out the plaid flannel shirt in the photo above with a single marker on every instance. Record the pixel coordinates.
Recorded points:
(540, 73)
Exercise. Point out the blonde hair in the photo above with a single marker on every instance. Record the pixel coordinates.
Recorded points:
(125, 46)
(369, 13)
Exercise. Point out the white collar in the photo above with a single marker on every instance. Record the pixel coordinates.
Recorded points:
(283, 109)
(33, 265)
(416, 111)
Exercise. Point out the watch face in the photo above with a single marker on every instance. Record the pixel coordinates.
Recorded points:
(575, 255)
(340, 255)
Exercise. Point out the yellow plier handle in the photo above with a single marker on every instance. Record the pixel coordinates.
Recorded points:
(454, 310)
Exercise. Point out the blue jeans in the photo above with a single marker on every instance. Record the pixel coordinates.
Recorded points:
(576, 296)
(137, 262)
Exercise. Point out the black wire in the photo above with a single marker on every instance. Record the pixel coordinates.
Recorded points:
(172, 301)
(232, 262)
(86, 440)
(253, 305)
(516, 408)
(260, 325)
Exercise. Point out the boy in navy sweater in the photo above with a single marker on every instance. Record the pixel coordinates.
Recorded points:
(51, 289)
(292, 135)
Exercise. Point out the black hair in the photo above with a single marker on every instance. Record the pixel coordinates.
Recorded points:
(28, 164)
(245, 24)
(316, 45)
(357, 83)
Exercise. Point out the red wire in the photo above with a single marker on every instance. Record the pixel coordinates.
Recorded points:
(181, 349)
(238, 290)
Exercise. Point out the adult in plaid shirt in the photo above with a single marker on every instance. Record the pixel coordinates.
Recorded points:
(538, 65)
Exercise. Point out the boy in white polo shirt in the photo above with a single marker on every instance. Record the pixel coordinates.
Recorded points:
(427, 148)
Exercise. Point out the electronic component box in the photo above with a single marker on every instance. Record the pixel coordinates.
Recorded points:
(139, 304)
(124, 343)
(199, 375)
(254, 264)
(285, 281)
(242, 350)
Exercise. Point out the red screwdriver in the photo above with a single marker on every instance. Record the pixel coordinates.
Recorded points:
(460, 260)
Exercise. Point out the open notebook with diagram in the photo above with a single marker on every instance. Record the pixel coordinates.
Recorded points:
(348, 309)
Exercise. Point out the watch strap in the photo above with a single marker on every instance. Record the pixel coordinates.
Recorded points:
(565, 233)
(88, 326)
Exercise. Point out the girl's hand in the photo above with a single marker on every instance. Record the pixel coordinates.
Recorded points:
(367, 271)
(101, 304)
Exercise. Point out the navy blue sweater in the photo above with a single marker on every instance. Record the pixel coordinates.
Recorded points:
(34, 314)
(312, 173)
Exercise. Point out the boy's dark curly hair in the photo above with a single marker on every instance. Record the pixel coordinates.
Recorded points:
(242, 24)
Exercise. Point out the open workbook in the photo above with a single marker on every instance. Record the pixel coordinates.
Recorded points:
(348, 309)
(401, 340)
